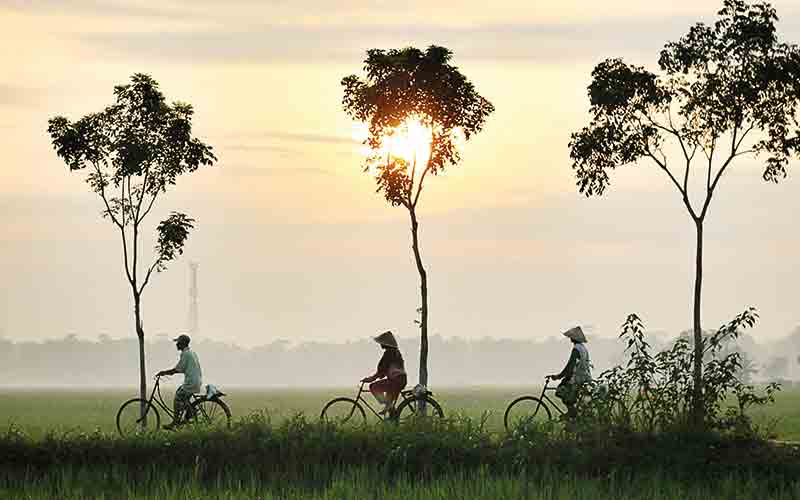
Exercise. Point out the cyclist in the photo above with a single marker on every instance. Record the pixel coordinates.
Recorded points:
(577, 372)
(189, 365)
(390, 377)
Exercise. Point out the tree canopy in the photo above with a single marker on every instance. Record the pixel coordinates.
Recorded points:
(733, 79)
(134, 150)
(411, 84)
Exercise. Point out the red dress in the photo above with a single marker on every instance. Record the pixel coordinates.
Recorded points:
(392, 367)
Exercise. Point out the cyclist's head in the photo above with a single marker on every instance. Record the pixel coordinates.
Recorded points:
(386, 340)
(575, 335)
(182, 341)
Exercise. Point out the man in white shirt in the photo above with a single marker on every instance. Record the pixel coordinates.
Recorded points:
(189, 365)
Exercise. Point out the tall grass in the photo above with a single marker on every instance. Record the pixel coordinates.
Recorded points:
(547, 483)
(309, 452)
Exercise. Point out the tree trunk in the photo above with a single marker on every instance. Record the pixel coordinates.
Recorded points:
(423, 281)
(698, 410)
(140, 334)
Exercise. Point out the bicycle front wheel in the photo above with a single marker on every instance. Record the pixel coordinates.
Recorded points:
(418, 407)
(130, 420)
(210, 413)
(525, 410)
(344, 411)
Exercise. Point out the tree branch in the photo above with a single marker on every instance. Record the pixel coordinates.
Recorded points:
(119, 225)
(103, 196)
(421, 182)
(413, 174)
(674, 181)
(717, 177)
(710, 157)
(147, 276)
(141, 195)
(149, 206)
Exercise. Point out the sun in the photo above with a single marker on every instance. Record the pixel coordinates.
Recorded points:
(410, 142)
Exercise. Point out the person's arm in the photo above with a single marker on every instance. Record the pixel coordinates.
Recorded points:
(383, 366)
(567, 371)
(179, 368)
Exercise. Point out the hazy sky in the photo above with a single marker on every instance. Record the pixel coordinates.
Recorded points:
(291, 238)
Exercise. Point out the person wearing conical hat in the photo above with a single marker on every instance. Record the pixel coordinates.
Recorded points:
(390, 377)
(577, 372)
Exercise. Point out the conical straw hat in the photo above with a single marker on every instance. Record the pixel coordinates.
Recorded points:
(387, 339)
(575, 334)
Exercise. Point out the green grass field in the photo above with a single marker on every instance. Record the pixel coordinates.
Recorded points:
(38, 411)
(70, 415)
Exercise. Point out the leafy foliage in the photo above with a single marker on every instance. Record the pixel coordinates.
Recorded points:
(732, 78)
(727, 90)
(172, 233)
(653, 392)
(409, 84)
(133, 150)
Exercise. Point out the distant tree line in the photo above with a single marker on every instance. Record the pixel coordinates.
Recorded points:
(71, 361)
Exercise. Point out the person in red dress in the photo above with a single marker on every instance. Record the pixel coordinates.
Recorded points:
(390, 377)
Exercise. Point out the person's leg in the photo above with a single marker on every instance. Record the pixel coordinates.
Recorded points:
(380, 390)
(396, 386)
(180, 404)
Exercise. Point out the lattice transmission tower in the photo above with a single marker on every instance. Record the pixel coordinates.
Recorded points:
(194, 307)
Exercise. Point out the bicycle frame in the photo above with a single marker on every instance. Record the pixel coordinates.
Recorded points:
(361, 399)
(544, 397)
(158, 399)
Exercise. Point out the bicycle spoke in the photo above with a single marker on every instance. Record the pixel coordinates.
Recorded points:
(344, 411)
(208, 413)
(526, 411)
(130, 421)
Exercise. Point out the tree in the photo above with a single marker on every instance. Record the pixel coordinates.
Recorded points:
(418, 108)
(132, 152)
(726, 91)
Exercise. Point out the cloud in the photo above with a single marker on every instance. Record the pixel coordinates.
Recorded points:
(310, 137)
(271, 43)
(254, 171)
(99, 8)
(543, 42)
(17, 96)
(284, 144)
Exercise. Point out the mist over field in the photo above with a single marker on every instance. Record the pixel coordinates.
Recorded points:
(455, 362)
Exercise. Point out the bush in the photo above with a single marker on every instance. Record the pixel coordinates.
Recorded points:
(653, 392)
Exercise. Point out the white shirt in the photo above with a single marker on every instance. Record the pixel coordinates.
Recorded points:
(189, 365)
(583, 368)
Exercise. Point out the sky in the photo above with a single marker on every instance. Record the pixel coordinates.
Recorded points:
(292, 240)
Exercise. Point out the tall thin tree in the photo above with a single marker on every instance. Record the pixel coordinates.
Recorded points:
(133, 151)
(418, 107)
(725, 91)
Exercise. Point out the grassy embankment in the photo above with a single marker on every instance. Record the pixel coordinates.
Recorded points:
(58, 454)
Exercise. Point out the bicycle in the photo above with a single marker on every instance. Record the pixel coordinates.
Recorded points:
(350, 411)
(203, 410)
(526, 408)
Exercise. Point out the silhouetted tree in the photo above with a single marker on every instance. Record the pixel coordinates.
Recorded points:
(403, 86)
(133, 151)
(727, 90)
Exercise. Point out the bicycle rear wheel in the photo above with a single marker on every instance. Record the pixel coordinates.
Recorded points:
(344, 411)
(525, 410)
(209, 413)
(412, 408)
(129, 417)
